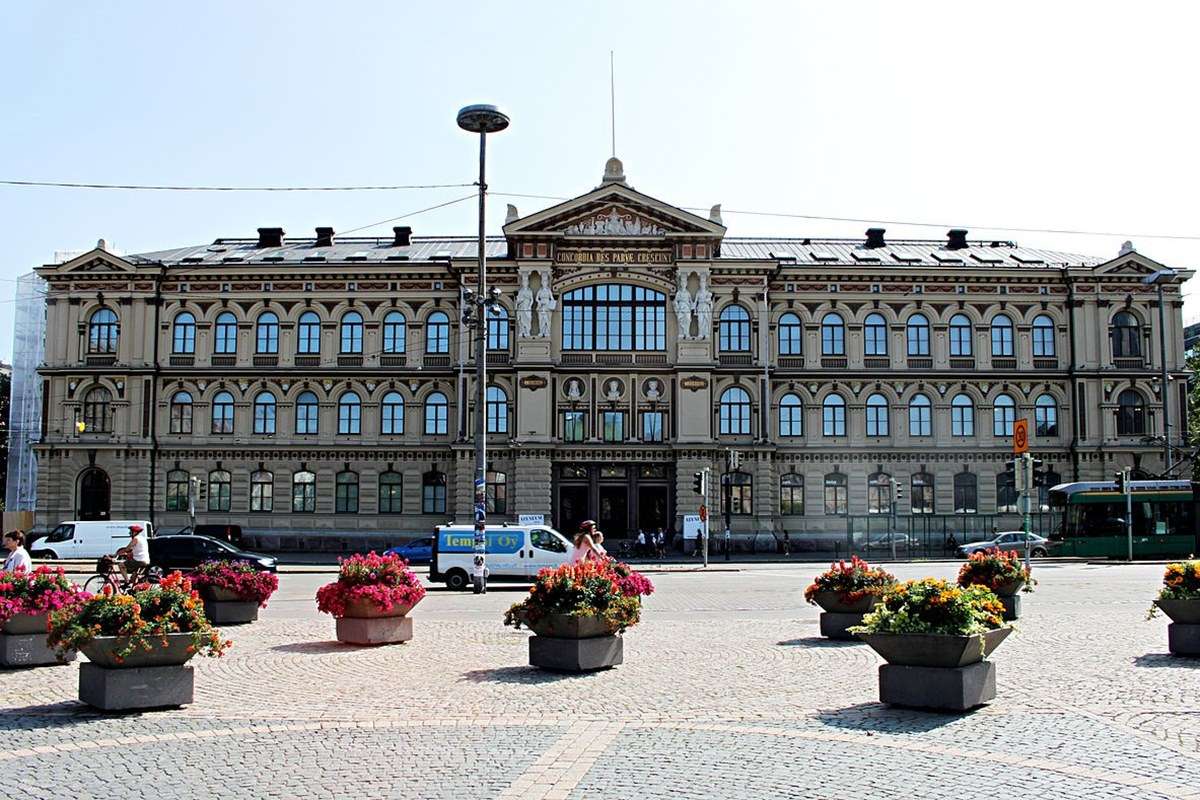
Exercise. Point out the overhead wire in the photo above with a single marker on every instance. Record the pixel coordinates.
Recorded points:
(186, 188)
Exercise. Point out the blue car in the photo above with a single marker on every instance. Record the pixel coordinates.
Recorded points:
(418, 551)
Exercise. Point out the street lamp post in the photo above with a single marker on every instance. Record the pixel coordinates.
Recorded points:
(1157, 279)
(481, 119)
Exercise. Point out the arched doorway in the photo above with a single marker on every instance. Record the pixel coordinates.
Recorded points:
(95, 494)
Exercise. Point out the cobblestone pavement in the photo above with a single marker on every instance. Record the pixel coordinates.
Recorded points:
(726, 691)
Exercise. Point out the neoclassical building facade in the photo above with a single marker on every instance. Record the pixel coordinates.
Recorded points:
(321, 388)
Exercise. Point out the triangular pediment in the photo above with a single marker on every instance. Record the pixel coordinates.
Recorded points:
(95, 260)
(614, 211)
(1130, 263)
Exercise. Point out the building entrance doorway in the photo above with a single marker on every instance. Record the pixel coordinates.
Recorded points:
(94, 494)
(622, 498)
(614, 511)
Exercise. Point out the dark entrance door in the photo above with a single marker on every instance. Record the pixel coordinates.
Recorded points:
(94, 494)
(652, 508)
(572, 507)
(614, 511)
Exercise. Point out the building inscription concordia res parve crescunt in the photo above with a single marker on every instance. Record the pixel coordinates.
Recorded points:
(320, 388)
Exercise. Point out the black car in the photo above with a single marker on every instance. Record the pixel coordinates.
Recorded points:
(228, 533)
(186, 551)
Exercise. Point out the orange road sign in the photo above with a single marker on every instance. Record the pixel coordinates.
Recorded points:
(703, 513)
(1021, 436)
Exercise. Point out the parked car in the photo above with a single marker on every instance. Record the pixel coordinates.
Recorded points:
(188, 551)
(1009, 540)
(225, 532)
(87, 539)
(418, 551)
(884, 541)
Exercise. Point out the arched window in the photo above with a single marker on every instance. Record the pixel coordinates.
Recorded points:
(393, 413)
(345, 500)
(308, 334)
(960, 336)
(734, 411)
(177, 490)
(181, 413)
(1002, 336)
(879, 493)
(740, 493)
(916, 334)
(262, 491)
(497, 410)
(836, 504)
(966, 493)
(922, 493)
(264, 413)
(220, 490)
(833, 416)
(1126, 336)
(1006, 493)
(307, 414)
(394, 333)
(349, 414)
(436, 414)
(352, 333)
(497, 328)
(962, 416)
(391, 493)
(97, 415)
(1045, 416)
(833, 335)
(875, 338)
(1004, 413)
(920, 416)
(791, 494)
(266, 334)
(877, 415)
(103, 332)
(497, 492)
(225, 334)
(734, 330)
(791, 416)
(1043, 337)
(437, 333)
(433, 493)
(222, 413)
(1131, 413)
(183, 334)
(791, 335)
(614, 317)
(304, 492)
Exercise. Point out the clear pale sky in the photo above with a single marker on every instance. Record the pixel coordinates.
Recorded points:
(1040, 115)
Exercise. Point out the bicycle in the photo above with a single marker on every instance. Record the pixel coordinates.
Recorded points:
(108, 575)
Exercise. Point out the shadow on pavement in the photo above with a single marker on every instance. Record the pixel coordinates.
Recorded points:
(523, 675)
(1166, 660)
(63, 714)
(320, 647)
(819, 641)
(878, 718)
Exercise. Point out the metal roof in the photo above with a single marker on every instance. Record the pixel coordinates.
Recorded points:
(357, 249)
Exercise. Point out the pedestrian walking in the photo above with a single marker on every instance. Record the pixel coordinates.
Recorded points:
(587, 543)
(18, 557)
(641, 543)
(787, 544)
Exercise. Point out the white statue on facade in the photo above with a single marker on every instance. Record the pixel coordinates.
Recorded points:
(545, 304)
(652, 390)
(524, 308)
(614, 390)
(704, 309)
(684, 307)
(574, 389)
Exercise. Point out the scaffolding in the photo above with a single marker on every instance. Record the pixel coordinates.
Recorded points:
(25, 407)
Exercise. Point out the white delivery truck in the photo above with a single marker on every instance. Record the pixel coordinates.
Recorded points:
(87, 539)
(514, 553)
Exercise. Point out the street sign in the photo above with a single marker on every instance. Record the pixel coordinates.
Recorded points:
(531, 519)
(703, 513)
(1021, 436)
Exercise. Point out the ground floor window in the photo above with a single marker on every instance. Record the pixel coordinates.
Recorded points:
(220, 486)
(497, 493)
(346, 493)
(966, 493)
(391, 492)
(922, 493)
(262, 491)
(177, 490)
(791, 494)
(739, 488)
(304, 493)
(879, 493)
(433, 493)
(835, 495)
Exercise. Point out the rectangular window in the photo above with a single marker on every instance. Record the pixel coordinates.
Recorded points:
(876, 340)
(262, 494)
(574, 426)
(433, 499)
(652, 426)
(1081, 411)
(346, 500)
(613, 426)
(922, 494)
(391, 493)
(966, 499)
(835, 497)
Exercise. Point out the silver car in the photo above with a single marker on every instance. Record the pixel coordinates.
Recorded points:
(1009, 540)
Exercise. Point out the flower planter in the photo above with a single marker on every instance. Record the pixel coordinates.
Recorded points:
(1186, 612)
(566, 626)
(102, 651)
(1010, 588)
(26, 624)
(934, 650)
(365, 623)
(363, 609)
(23, 643)
(230, 612)
(832, 602)
(1183, 634)
(157, 678)
(576, 654)
(946, 673)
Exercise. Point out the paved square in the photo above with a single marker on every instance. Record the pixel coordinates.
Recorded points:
(726, 691)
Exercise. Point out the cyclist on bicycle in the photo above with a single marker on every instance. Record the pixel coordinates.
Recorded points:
(134, 558)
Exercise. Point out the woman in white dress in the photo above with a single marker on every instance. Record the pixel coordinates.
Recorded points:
(589, 543)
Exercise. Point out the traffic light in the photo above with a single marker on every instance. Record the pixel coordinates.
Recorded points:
(1120, 476)
(898, 493)
(698, 483)
(735, 460)
(1039, 477)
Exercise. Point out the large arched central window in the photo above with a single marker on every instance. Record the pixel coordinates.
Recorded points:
(735, 411)
(614, 317)
(103, 331)
(733, 331)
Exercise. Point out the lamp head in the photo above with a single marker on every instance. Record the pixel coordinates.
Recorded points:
(482, 118)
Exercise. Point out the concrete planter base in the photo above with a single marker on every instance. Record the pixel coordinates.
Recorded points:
(834, 625)
(136, 688)
(938, 688)
(576, 655)
(1183, 640)
(230, 612)
(29, 650)
(374, 630)
(1012, 606)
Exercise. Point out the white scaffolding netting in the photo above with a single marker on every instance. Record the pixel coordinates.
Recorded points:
(25, 409)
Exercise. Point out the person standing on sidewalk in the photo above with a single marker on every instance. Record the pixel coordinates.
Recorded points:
(18, 557)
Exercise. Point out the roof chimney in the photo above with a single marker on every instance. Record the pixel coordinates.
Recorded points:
(957, 239)
(875, 237)
(324, 237)
(270, 237)
(403, 236)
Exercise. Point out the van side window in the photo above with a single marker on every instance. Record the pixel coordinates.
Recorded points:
(545, 540)
(62, 533)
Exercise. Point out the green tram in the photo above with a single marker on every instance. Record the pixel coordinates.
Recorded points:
(1093, 520)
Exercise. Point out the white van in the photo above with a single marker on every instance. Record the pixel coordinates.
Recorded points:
(90, 539)
(514, 553)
